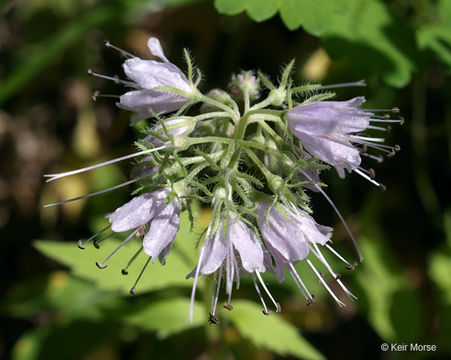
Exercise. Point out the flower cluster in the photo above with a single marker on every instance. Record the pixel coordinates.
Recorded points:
(251, 158)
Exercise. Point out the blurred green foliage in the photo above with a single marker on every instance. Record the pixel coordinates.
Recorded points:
(68, 309)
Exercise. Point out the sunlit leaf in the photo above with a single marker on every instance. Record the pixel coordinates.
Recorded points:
(167, 317)
(82, 262)
(270, 332)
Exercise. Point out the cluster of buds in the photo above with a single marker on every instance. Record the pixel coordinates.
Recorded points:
(252, 159)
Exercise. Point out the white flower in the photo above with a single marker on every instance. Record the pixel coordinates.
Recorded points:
(290, 237)
(327, 130)
(147, 75)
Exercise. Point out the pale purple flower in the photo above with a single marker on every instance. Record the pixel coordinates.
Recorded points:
(147, 76)
(232, 251)
(150, 211)
(328, 130)
(290, 235)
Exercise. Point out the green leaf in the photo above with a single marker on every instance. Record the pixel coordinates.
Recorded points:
(82, 262)
(270, 332)
(230, 7)
(167, 317)
(373, 41)
(314, 16)
(261, 10)
(57, 292)
(439, 270)
(393, 307)
(436, 36)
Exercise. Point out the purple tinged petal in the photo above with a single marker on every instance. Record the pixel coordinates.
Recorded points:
(163, 230)
(290, 236)
(155, 48)
(160, 102)
(246, 243)
(215, 251)
(138, 211)
(149, 74)
(285, 236)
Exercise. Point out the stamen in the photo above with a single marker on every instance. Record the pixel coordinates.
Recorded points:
(298, 281)
(97, 192)
(384, 119)
(349, 84)
(98, 241)
(112, 78)
(96, 94)
(109, 162)
(215, 295)
(196, 278)
(101, 266)
(379, 158)
(378, 128)
(133, 258)
(353, 266)
(123, 52)
(213, 319)
(333, 251)
(81, 242)
(266, 312)
(337, 277)
(132, 290)
(369, 178)
(334, 207)
(324, 283)
(276, 304)
(228, 306)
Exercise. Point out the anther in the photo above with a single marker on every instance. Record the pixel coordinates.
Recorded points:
(123, 52)
(266, 312)
(95, 94)
(353, 266)
(337, 276)
(311, 301)
(383, 187)
(132, 290)
(213, 319)
(372, 173)
(228, 307)
(90, 72)
(397, 148)
(124, 272)
(380, 159)
(278, 309)
(391, 154)
(395, 110)
(389, 128)
(402, 120)
(101, 267)
(80, 243)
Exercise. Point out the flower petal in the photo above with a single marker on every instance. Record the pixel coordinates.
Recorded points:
(215, 251)
(163, 230)
(160, 102)
(149, 74)
(246, 243)
(155, 48)
(138, 211)
(284, 235)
